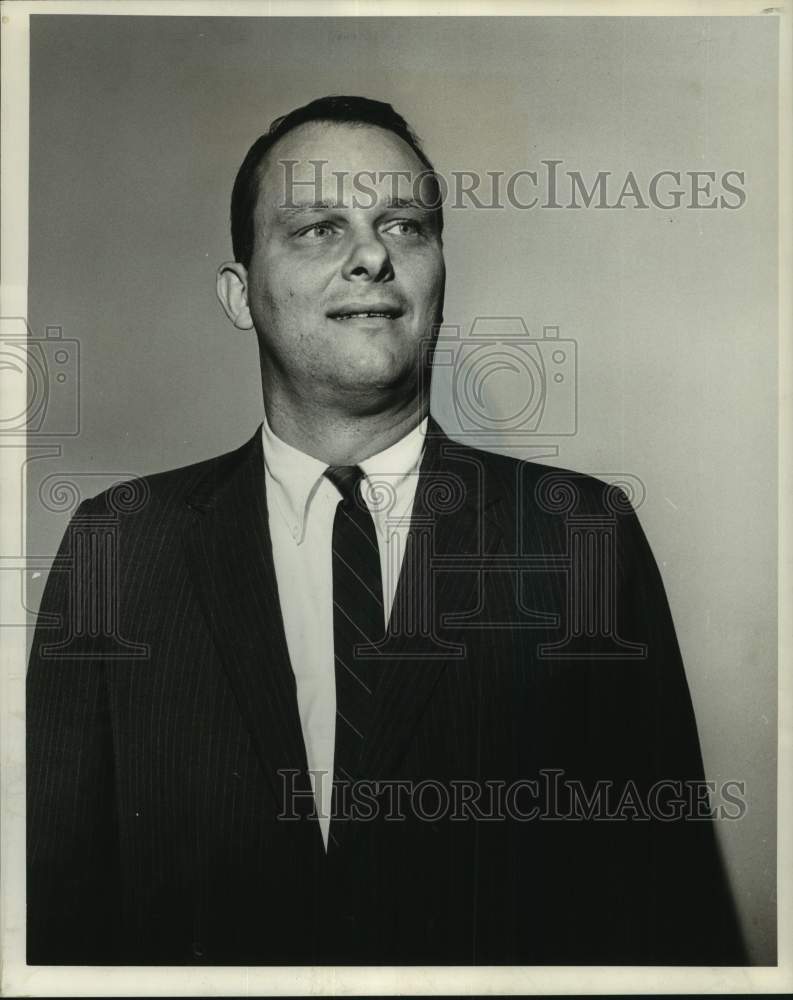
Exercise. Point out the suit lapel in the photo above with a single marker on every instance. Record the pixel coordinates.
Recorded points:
(227, 542)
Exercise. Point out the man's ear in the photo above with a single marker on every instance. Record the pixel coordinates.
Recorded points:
(232, 290)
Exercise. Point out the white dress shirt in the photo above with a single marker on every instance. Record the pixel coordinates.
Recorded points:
(301, 506)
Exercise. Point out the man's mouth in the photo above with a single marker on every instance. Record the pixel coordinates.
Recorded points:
(376, 313)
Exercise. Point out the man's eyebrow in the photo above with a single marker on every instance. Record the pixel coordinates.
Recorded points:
(326, 204)
(310, 206)
(404, 203)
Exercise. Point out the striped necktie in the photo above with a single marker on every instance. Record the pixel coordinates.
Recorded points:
(358, 619)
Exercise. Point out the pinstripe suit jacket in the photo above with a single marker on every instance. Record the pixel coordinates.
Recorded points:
(530, 647)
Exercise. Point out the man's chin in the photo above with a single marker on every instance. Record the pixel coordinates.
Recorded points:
(375, 380)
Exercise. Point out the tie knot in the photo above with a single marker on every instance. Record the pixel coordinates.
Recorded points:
(346, 479)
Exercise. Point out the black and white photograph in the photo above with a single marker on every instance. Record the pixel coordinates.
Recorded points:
(394, 423)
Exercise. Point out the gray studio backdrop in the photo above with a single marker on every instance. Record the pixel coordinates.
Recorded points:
(137, 128)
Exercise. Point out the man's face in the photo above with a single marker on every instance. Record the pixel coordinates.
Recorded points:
(343, 288)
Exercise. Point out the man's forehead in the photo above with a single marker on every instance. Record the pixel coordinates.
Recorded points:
(326, 161)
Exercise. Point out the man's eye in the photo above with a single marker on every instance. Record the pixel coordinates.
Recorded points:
(404, 227)
(319, 230)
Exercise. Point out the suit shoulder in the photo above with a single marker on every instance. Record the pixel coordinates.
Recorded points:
(553, 487)
(167, 490)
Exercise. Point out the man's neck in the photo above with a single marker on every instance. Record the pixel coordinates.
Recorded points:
(342, 439)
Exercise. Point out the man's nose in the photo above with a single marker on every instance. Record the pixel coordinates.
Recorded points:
(368, 259)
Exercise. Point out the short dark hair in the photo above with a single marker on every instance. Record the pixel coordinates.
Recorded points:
(347, 110)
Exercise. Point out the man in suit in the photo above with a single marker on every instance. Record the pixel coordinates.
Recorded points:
(356, 693)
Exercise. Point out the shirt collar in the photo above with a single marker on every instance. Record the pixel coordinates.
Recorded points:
(297, 476)
(390, 476)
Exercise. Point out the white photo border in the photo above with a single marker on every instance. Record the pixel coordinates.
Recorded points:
(16, 978)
